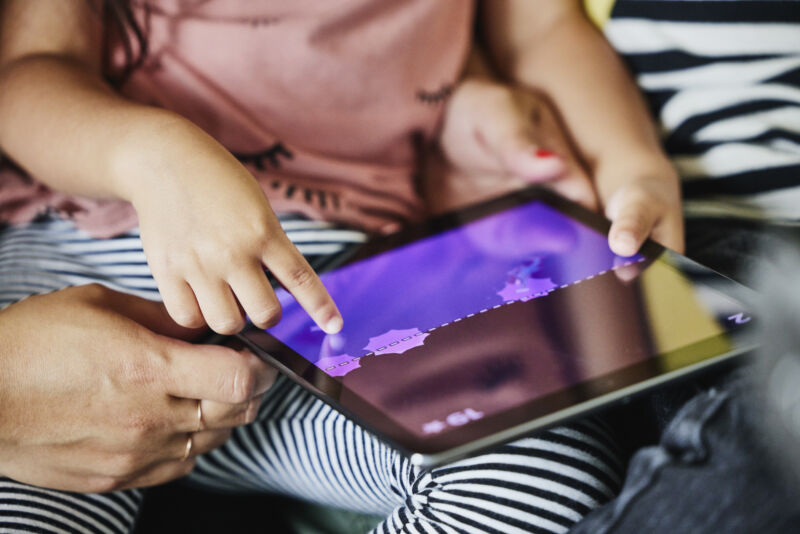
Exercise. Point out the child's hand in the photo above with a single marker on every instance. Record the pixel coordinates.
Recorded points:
(641, 201)
(208, 231)
(498, 138)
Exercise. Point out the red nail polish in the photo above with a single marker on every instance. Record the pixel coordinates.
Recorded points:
(542, 153)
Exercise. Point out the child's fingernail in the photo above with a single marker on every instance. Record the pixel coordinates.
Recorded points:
(542, 153)
(627, 242)
(333, 325)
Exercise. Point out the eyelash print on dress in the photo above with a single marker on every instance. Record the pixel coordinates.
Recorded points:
(271, 156)
(435, 97)
(271, 159)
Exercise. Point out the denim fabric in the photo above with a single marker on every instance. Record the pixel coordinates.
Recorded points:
(710, 473)
(714, 468)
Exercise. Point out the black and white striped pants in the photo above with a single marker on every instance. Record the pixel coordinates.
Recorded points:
(301, 447)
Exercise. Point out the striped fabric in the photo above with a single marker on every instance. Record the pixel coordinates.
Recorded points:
(723, 78)
(301, 447)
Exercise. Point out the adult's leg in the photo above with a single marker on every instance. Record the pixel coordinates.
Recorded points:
(713, 469)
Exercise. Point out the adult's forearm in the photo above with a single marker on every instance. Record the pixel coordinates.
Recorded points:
(65, 126)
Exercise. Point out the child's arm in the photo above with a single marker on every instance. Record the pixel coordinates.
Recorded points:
(206, 226)
(551, 46)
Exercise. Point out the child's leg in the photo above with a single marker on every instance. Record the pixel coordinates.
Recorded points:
(301, 447)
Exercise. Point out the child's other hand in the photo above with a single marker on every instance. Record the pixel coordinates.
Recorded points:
(208, 231)
(497, 138)
(642, 200)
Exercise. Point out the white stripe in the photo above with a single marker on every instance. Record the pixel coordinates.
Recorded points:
(304, 225)
(314, 250)
(64, 521)
(44, 527)
(732, 158)
(719, 74)
(489, 521)
(76, 511)
(327, 236)
(691, 102)
(780, 207)
(639, 36)
(572, 452)
(492, 492)
(505, 511)
(109, 503)
(532, 481)
(750, 125)
(593, 442)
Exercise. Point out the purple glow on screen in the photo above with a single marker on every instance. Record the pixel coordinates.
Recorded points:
(392, 301)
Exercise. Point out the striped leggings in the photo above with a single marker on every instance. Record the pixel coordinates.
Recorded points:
(301, 447)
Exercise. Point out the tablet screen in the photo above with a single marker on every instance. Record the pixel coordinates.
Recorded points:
(482, 320)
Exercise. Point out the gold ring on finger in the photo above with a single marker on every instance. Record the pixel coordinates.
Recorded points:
(188, 449)
(199, 416)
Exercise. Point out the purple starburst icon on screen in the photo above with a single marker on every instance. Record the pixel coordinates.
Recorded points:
(396, 341)
(531, 288)
(338, 365)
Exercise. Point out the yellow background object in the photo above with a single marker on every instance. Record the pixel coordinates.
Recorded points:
(599, 10)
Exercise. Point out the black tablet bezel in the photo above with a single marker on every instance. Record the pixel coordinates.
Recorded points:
(583, 394)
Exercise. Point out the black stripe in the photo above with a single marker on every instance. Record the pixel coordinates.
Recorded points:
(765, 139)
(8, 526)
(680, 140)
(790, 77)
(611, 461)
(535, 491)
(58, 512)
(753, 11)
(84, 506)
(54, 523)
(546, 474)
(745, 183)
(517, 505)
(673, 60)
(484, 528)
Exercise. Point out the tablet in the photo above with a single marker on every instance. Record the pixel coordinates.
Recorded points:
(479, 326)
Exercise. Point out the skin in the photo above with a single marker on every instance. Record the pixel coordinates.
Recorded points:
(551, 48)
(207, 250)
(76, 419)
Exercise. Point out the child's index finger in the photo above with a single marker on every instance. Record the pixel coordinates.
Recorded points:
(298, 278)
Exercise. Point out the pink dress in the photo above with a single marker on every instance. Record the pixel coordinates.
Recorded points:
(326, 103)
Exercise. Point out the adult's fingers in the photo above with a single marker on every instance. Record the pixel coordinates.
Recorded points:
(148, 313)
(215, 373)
(255, 294)
(160, 474)
(296, 275)
(218, 415)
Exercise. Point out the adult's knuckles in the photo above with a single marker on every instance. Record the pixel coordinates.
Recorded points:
(124, 465)
(105, 484)
(239, 385)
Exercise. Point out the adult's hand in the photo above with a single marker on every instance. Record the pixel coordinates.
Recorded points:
(99, 393)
